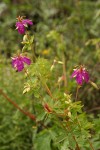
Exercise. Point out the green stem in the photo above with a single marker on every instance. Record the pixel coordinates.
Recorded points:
(33, 50)
(28, 75)
(77, 91)
(46, 87)
(32, 45)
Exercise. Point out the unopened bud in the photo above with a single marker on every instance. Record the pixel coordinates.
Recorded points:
(69, 114)
(47, 108)
(61, 78)
(25, 38)
(52, 67)
(60, 62)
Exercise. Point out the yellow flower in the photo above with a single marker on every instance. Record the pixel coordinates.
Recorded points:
(45, 52)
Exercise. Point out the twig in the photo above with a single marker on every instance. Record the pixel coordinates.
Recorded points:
(96, 108)
(91, 145)
(64, 71)
(31, 116)
(77, 146)
(48, 91)
(77, 92)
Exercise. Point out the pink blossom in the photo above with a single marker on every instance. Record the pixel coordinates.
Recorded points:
(27, 21)
(22, 23)
(18, 62)
(81, 75)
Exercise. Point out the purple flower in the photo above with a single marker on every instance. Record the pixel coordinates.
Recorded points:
(18, 62)
(22, 23)
(26, 22)
(20, 27)
(81, 75)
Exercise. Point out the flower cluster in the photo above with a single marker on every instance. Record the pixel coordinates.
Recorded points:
(18, 62)
(22, 23)
(81, 75)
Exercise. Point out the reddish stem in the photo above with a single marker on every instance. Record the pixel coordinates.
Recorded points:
(31, 116)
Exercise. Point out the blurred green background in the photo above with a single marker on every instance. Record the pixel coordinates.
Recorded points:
(71, 25)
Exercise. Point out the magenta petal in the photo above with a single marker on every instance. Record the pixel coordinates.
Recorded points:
(74, 74)
(79, 79)
(18, 62)
(19, 65)
(81, 75)
(20, 68)
(13, 61)
(21, 30)
(27, 60)
(27, 21)
(20, 27)
(86, 76)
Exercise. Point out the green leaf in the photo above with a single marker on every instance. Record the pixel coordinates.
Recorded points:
(61, 138)
(42, 141)
(65, 145)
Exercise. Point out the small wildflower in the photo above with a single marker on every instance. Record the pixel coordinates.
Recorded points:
(18, 62)
(22, 23)
(81, 75)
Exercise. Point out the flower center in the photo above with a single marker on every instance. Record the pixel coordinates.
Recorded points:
(81, 69)
(20, 18)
